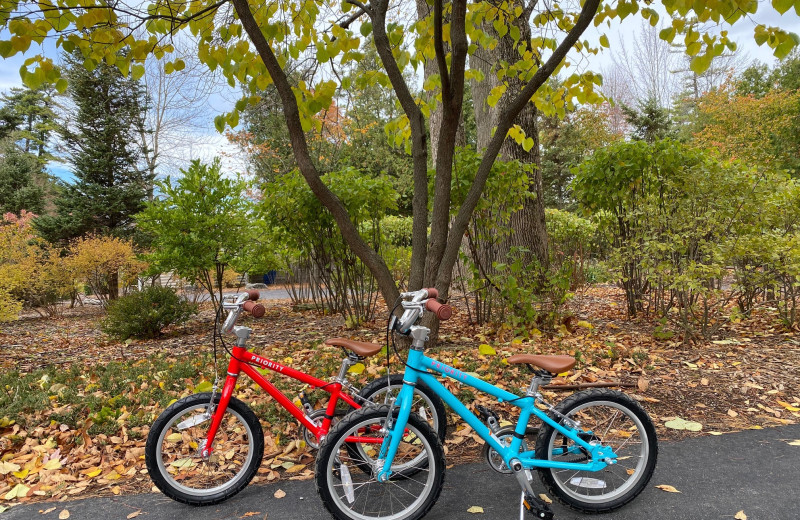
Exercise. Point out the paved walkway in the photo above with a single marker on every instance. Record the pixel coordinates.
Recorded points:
(756, 471)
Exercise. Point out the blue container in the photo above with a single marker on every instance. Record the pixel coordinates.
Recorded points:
(269, 278)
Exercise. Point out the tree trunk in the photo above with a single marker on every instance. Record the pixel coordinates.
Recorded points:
(527, 224)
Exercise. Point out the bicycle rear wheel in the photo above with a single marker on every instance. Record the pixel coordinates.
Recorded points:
(612, 419)
(348, 486)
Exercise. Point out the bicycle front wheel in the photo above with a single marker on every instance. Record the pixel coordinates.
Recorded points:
(612, 419)
(348, 485)
(175, 442)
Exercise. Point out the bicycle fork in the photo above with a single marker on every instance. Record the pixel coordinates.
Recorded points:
(234, 368)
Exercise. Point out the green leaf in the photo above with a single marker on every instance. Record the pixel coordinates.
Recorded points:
(604, 41)
(700, 63)
(219, 123)
(204, 386)
(527, 144)
(356, 369)
(782, 5)
(61, 85)
(366, 29)
(137, 71)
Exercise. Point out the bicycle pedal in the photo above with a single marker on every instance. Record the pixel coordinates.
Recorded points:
(486, 413)
(537, 507)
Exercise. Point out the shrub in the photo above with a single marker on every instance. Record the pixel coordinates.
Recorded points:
(144, 314)
(32, 273)
(105, 264)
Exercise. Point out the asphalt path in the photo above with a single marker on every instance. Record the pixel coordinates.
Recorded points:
(755, 471)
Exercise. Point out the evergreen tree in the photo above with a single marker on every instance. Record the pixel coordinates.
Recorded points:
(27, 118)
(110, 187)
(20, 173)
(650, 122)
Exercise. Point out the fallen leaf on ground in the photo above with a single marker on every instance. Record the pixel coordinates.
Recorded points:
(793, 443)
(667, 487)
(732, 413)
(789, 407)
(133, 515)
(48, 510)
(250, 513)
(8, 467)
(63, 515)
(486, 350)
(18, 491)
(280, 494)
(475, 509)
(545, 498)
(740, 516)
(682, 424)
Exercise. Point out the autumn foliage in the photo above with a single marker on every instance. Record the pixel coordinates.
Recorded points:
(32, 272)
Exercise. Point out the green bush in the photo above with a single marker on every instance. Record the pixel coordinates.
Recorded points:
(144, 314)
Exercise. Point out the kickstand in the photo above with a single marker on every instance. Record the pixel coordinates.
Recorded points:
(535, 505)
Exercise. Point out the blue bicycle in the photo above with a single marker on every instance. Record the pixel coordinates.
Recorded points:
(595, 451)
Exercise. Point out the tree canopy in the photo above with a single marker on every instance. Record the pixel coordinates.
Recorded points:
(253, 45)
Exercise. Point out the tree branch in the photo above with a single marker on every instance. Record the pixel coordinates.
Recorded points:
(300, 147)
(505, 120)
(419, 144)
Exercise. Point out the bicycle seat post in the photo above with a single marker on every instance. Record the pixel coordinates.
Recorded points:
(347, 362)
(540, 378)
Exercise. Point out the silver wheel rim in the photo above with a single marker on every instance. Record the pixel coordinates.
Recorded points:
(203, 492)
(419, 398)
(391, 493)
(631, 462)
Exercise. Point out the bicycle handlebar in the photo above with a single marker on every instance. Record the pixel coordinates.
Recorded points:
(442, 311)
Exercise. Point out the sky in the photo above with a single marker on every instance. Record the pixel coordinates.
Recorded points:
(206, 143)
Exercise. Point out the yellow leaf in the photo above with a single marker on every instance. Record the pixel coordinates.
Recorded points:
(94, 472)
(584, 324)
(487, 350)
(18, 491)
(133, 515)
(21, 474)
(668, 488)
(356, 369)
(174, 437)
(180, 463)
(794, 443)
(545, 498)
(475, 509)
(740, 515)
(52, 464)
(789, 407)
(280, 494)
(63, 515)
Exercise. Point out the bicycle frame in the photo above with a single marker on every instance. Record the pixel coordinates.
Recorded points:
(239, 363)
(417, 369)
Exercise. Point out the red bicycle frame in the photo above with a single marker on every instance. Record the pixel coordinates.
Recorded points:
(241, 362)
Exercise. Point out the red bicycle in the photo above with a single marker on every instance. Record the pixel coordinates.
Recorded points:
(206, 447)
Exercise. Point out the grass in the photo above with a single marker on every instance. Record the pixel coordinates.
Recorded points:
(101, 392)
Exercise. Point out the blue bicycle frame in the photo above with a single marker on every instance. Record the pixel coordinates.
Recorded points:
(417, 369)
